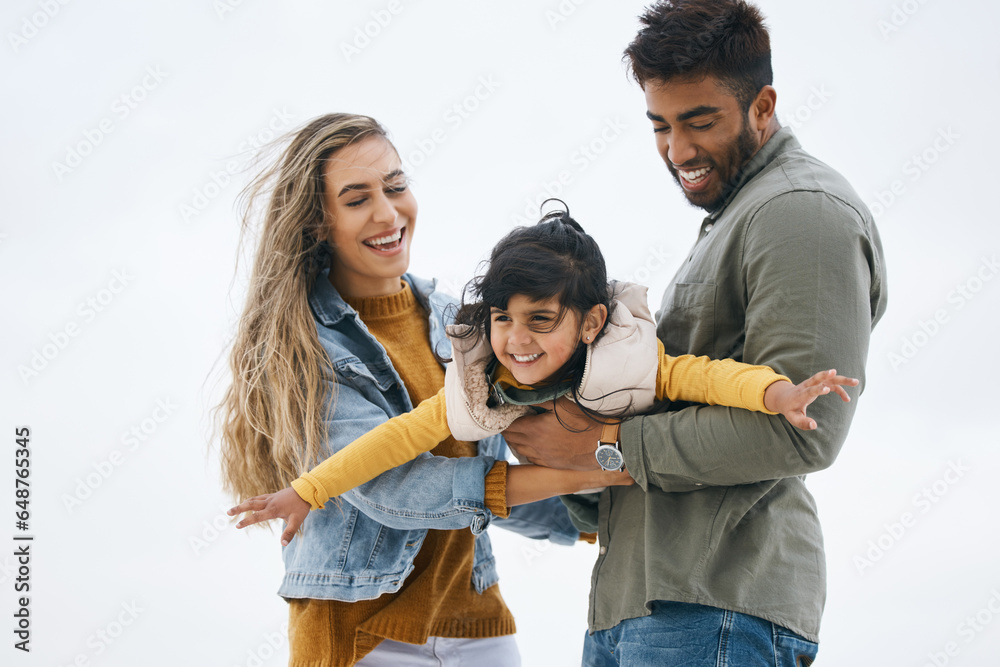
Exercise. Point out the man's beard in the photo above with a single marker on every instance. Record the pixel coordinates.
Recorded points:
(737, 153)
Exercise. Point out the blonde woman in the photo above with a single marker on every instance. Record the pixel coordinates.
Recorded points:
(335, 339)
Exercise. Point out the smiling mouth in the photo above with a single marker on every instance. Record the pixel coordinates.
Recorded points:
(695, 176)
(525, 358)
(387, 242)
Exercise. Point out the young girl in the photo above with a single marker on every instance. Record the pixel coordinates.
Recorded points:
(544, 323)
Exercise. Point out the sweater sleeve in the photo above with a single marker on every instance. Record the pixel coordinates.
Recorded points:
(496, 490)
(390, 444)
(714, 381)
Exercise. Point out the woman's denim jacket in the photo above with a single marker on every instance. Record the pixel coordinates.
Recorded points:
(363, 544)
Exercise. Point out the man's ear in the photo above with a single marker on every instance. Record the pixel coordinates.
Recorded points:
(762, 108)
(593, 322)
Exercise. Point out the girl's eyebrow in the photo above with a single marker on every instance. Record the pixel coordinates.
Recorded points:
(536, 311)
(396, 173)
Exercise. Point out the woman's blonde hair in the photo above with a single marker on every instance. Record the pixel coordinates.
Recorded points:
(272, 418)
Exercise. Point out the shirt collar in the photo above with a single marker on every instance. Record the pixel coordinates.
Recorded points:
(782, 141)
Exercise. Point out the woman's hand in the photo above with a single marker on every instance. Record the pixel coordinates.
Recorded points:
(791, 400)
(528, 483)
(285, 504)
(615, 478)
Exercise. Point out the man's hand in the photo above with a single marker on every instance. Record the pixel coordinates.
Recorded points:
(542, 440)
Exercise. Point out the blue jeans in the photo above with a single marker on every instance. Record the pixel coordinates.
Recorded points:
(692, 635)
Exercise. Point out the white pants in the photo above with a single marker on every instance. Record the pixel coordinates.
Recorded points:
(445, 652)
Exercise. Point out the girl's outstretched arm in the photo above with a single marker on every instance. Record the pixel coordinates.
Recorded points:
(390, 444)
(791, 400)
(737, 385)
(285, 504)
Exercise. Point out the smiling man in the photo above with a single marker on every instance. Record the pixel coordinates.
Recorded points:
(715, 556)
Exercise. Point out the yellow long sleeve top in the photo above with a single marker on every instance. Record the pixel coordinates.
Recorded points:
(686, 378)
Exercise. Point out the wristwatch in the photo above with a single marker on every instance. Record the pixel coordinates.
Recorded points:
(609, 451)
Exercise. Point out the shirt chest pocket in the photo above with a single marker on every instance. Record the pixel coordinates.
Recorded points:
(687, 319)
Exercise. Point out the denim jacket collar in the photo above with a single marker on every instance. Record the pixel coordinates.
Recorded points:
(330, 308)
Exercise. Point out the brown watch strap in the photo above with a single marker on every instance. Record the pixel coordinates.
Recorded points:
(609, 433)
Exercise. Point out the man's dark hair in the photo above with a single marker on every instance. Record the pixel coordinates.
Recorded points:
(726, 39)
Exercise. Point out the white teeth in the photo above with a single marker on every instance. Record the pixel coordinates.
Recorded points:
(523, 359)
(386, 239)
(692, 176)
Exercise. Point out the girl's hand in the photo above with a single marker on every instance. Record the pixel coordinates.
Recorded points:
(791, 400)
(285, 504)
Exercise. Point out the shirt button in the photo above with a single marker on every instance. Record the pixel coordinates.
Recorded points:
(708, 226)
(604, 550)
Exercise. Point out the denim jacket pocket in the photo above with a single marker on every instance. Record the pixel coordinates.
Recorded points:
(352, 369)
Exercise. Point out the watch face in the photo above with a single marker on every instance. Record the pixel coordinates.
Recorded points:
(609, 457)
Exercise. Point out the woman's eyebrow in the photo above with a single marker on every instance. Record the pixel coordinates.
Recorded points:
(350, 187)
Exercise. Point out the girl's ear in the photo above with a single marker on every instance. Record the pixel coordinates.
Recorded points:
(593, 322)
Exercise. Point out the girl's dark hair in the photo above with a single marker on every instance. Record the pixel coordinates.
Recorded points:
(554, 258)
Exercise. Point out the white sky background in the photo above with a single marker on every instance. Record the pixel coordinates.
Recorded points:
(147, 546)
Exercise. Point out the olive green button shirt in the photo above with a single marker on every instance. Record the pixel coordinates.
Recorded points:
(789, 273)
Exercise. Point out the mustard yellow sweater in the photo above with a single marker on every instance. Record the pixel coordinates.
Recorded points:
(437, 599)
(401, 439)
